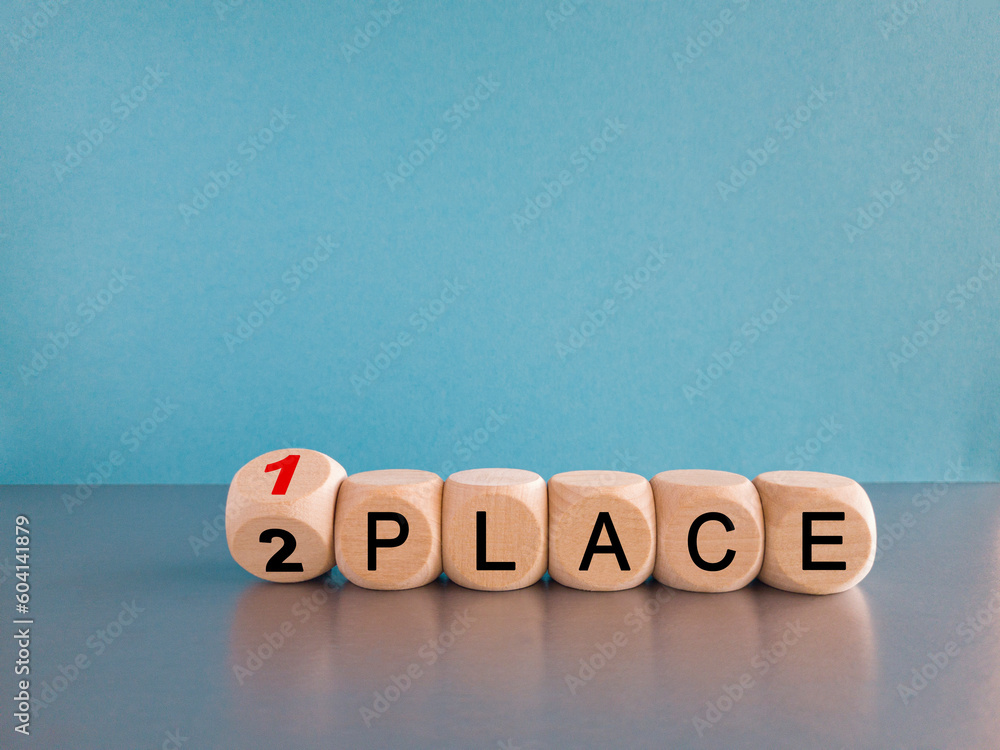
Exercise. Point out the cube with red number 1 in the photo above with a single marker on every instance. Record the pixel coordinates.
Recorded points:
(279, 514)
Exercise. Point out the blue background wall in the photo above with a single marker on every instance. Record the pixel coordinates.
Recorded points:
(171, 376)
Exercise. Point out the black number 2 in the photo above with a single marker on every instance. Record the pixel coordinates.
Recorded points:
(277, 562)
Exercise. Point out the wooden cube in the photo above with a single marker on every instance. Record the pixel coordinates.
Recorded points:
(279, 514)
(819, 531)
(388, 528)
(709, 530)
(494, 528)
(602, 530)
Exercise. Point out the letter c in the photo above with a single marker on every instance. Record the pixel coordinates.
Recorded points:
(696, 557)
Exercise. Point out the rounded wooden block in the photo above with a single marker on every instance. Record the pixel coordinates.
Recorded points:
(394, 497)
(593, 509)
(716, 500)
(279, 515)
(837, 516)
(514, 529)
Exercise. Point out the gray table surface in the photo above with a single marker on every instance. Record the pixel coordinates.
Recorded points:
(182, 648)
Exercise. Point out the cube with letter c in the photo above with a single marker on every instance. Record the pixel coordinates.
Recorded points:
(709, 530)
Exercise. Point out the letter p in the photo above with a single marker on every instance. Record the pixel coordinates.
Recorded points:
(373, 540)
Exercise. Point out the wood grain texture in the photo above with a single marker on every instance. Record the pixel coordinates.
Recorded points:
(306, 510)
(414, 495)
(515, 505)
(787, 495)
(576, 501)
(684, 496)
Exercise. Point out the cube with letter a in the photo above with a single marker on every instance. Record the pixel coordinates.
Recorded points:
(602, 530)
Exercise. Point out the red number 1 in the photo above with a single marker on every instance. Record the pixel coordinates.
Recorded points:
(287, 468)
